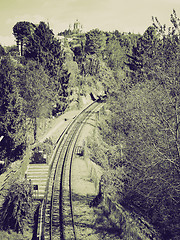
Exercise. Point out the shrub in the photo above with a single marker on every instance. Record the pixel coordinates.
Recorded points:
(11, 236)
(42, 149)
(17, 206)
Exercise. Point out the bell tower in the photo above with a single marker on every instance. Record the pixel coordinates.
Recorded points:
(77, 26)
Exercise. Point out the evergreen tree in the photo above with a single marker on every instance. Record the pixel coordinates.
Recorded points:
(143, 54)
(22, 32)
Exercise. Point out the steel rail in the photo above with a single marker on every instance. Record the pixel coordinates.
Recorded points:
(58, 165)
(58, 143)
(77, 128)
(74, 138)
(70, 170)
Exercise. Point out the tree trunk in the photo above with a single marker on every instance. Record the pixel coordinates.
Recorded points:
(35, 129)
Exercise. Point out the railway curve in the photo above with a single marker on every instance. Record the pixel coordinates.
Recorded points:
(56, 213)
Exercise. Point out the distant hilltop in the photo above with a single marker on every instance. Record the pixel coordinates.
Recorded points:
(74, 28)
(77, 27)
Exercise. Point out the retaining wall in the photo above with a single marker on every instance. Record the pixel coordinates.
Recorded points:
(95, 171)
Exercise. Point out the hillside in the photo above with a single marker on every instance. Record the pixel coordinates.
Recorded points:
(137, 140)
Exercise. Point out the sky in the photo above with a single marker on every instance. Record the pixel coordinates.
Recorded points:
(124, 15)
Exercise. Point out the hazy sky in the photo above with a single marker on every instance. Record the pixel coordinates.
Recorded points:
(123, 15)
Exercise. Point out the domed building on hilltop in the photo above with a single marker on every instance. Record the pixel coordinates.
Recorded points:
(77, 27)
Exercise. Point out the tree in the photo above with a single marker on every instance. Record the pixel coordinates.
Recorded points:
(143, 54)
(37, 91)
(95, 42)
(114, 54)
(141, 132)
(78, 47)
(43, 48)
(40, 43)
(2, 51)
(22, 31)
(61, 82)
(12, 117)
(13, 51)
(17, 205)
(140, 139)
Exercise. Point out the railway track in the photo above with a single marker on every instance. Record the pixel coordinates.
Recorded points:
(56, 215)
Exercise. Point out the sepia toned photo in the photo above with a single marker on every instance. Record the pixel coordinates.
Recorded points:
(90, 120)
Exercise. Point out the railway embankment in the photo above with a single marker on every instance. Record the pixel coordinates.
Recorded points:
(52, 130)
(86, 176)
(117, 222)
(106, 220)
(110, 220)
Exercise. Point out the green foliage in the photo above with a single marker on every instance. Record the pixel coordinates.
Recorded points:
(13, 51)
(61, 82)
(150, 154)
(140, 140)
(16, 208)
(118, 45)
(42, 149)
(141, 132)
(12, 117)
(114, 54)
(2, 51)
(91, 65)
(36, 90)
(143, 54)
(73, 70)
(38, 44)
(22, 31)
(12, 236)
(95, 42)
(46, 50)
(78, 48)
(33, 85)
